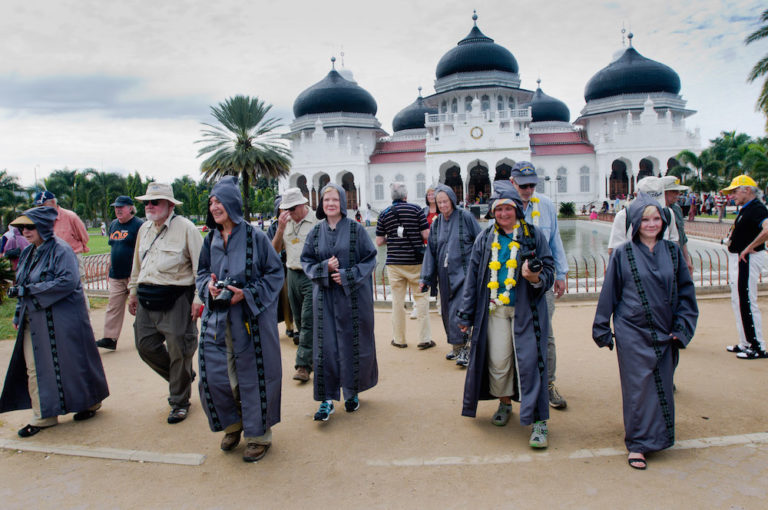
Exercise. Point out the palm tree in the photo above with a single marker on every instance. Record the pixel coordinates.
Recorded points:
(245, 144)
(761, 68)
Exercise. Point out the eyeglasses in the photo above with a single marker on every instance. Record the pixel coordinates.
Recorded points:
(527, 186)
(291, 209)
(153, 202)
(26, 227)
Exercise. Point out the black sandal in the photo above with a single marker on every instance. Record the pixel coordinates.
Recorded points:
(426, 345)
(637, 463)
(30, 430)
(399, 346)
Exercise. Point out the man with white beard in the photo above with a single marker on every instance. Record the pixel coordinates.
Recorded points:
(163, 297)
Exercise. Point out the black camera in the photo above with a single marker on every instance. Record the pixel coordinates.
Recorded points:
(224, 299)
(534, 263)
(13, 292)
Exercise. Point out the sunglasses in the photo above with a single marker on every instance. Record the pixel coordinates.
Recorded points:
(526, 186)
(291, 209)
(26, 227)
(153, 202)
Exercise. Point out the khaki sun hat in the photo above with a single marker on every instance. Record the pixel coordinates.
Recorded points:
(22, 220)
(157, 191)
(291, 198)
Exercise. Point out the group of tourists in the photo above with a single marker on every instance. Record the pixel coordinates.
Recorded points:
(496, 288)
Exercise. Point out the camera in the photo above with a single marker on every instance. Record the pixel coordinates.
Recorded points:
(13, 292)
(534, 263)
(223, 300)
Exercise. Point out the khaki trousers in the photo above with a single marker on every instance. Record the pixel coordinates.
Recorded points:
(502, 362)
(113, 317)
(34, 393)
(400, 276)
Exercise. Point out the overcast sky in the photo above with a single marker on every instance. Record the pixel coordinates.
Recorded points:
(124, 86)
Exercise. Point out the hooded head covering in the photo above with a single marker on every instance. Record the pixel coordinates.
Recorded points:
(228, 193)
(342, 199)
(505, 190)
(635, 212)
(43, 218)
(448, 191)
(278, 201)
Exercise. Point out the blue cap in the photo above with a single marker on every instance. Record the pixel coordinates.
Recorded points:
(121, 201)
(524, 173)
(43, 196)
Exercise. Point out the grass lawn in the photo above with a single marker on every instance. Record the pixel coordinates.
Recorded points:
(7, 308)
(97, 242)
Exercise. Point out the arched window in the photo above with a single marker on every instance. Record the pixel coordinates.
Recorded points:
(485, 103)
(399, 178)
(512, 104)
(444, 107)
(454, 106)
(540, 186)
(378, 187)
(562, 180)
(421, 186)
(468, 104)
(584, 179)
(500, 103)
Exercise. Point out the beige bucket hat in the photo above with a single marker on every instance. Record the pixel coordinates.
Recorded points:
(159, 190)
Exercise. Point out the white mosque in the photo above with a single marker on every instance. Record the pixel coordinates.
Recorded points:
(479, 122)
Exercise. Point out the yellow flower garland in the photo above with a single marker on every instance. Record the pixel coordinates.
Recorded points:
(496, 298)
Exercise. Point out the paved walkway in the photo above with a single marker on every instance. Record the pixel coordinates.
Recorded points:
(408, 446)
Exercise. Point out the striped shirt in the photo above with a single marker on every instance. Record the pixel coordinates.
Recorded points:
(401, 251)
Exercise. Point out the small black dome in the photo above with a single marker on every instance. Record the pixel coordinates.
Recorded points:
(412, 116)
(547, 108)
(632, 73)
(334, 94)
(476, 52)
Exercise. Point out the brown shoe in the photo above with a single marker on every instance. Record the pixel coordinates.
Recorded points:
(302, 374)
(230, 440)
(255, 452)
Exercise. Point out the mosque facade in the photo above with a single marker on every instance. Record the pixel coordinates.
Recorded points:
(479, 122)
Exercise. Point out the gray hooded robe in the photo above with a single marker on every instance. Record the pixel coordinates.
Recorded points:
(646, 364)
(449, 247)
(531, 323)
(70, 376)
(344, 344)
(253, 324)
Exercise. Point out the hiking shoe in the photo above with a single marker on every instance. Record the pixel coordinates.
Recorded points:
(752, 354)
(555, 399)
(178, 414)
(539, 435)
(736, 348)
(451, 355)
(230, 441)
(255, 452)
(302, 374)
(462, 358)
(352, 404)
(502, 414)
(107, 343)
(324, 412)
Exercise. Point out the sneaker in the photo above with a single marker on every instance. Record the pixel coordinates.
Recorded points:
(752, 354)
(539, 435)
(555, 399)
(451, 355)
(414, 315)
(178, 415)
(736, 348)
(462, 358)
(302, 374)
(107, 343)
(352, 404)
(324, 412)
(502, 415)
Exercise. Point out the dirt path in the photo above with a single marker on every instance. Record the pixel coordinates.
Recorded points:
(408, 446)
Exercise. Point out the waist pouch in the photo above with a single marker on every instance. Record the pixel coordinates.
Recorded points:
(160, 298)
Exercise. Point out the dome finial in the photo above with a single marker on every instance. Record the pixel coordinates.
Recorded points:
(538, 82)
(333, 63)
(419, 90)
(630, 36)
(474, 16)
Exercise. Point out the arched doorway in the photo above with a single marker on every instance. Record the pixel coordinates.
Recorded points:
(618, 183)
(479, 188)
(455, 182)
(301, 183)
(321, 181)
(348, 183)
(646, 169)
(503, 170)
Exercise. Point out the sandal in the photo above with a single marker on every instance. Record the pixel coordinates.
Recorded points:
(30, 430)
(637, 463)
(426, 345)
(400, 346)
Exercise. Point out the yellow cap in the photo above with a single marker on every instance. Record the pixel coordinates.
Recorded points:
(739, 180)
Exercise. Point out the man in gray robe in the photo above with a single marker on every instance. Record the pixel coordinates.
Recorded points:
(449, 247)
(55, 367)
(652, 299)
(344, 348)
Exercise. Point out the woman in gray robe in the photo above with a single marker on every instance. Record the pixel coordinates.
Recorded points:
(239, 355)
(523, 369)
(650, 294)
(339, 258)
(449, 246)
(55, 366)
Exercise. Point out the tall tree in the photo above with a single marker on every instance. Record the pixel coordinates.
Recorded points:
(244, 143)
(760, 69)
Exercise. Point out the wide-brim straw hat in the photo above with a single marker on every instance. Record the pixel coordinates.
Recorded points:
(22, 220)
(157, 191)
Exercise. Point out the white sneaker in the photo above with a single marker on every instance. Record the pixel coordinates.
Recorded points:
(539, 435)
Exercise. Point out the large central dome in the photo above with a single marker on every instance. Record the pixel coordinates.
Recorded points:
(334, 94)
(632, 73)
(476, 52)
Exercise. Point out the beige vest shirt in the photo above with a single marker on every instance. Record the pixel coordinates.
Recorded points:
(294, 237)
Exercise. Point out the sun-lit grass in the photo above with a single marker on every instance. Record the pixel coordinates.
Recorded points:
(7, 308)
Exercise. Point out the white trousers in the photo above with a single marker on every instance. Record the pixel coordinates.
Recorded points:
(743, 281)
(502, 362)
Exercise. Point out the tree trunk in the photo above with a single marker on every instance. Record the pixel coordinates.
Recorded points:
(246, 197)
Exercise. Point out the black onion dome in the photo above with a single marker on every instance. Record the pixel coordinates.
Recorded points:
(334, 94)
(632, 73)
(412, 116)
(476, 52)
(547, 108)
